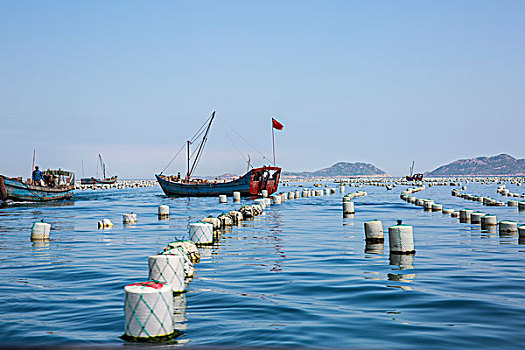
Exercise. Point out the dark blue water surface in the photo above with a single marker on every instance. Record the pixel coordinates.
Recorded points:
(298, 276)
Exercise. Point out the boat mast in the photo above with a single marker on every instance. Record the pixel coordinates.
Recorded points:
(201, 147)
(412, 168)
(103, 166)
(188, 171)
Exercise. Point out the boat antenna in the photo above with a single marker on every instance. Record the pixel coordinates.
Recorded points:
(83, 168)
(201, 147)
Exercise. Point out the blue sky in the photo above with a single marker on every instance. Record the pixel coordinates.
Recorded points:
(372, 81)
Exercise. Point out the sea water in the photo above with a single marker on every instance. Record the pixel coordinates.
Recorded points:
(300, 275)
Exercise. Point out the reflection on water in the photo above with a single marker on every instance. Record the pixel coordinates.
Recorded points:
(403, 262)
(374, 248)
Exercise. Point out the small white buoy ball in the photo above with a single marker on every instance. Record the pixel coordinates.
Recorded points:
(148, 308)
(201, 233)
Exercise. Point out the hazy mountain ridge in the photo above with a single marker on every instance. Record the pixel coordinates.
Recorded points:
(502, 164)
(341, 169)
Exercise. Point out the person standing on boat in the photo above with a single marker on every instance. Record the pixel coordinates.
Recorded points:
(38, 177)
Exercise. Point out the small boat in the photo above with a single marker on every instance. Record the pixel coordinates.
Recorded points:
(250, 184)
(414, 177)
(60, 185)
(105, 180)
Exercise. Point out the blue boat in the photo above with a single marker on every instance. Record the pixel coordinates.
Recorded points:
(60, 185)
(250, 184)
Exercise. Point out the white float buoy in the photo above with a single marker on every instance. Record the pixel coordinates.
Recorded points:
(276, 199)
(223, 198)
(291, 195)
(464, 215)
(374, 231)
(447, 211)
(264, 193)
(163, 211)
(167, 269)
(401, 239)
(475, 217)
(201, 233)
(348, 207)
(236, 196)
(437, 207)
(512, 203)
(489, 221)
(148, 308)
(129, 218)
(261, 202)
(40, 231)
(506, 226)
(521, 230)
(521, 206)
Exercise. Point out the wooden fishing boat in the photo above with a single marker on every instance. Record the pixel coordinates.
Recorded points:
(105, 180)
(251, 184)
(60, 186)
(412, 176)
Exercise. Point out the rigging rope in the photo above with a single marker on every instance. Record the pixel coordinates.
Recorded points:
(249, 144)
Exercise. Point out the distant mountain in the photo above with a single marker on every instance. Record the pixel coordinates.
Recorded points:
(341, 169)
(502, 164)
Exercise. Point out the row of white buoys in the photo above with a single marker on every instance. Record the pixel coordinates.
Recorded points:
(348, 205)
(487, 201)
(148, 306)
(117, 185)
(40, 231)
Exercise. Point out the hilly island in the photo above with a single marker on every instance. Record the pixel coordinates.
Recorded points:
(502, 164)
(341, 169)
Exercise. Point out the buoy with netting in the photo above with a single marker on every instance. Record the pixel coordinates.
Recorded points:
(40, 231)
(129, 218)
(167, 269)
(401, 239)
(201, 233)
(374, 231)
(148, 308)
(163, 211)
(261, 202)
(236, 196)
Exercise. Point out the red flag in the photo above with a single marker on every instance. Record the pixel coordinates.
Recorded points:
(277, 125)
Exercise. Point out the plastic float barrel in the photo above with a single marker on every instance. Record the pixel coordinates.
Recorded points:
(374, 231)
(276, 199)
(521, 230)
(40, 231)
(148, 308)
(163, 211)
(447, 211)
(506, 226)
(437, 207)
(167, 269)
(291, 195)
(237, 196)
(129, 218)
(284, 197)
(264, 193)
(512, 203)
(348, 207)
(464, 215)
(521, 206)
(401, 239)
(489, 221)
(427, 204)
(201, 233)
(475, 217)
(420, 202)
(223, 198)
(261, 202)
